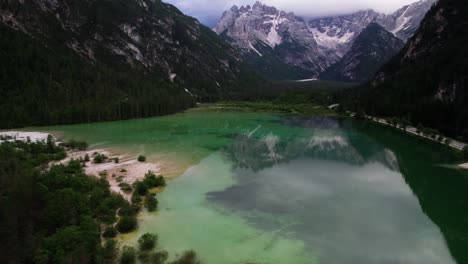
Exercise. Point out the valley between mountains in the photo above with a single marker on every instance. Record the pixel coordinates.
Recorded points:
(134, 133)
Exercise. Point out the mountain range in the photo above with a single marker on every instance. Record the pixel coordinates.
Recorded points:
(306, 48)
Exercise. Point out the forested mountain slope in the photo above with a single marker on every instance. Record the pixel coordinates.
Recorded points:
(427, 81)
(75, 61)
(44, 86)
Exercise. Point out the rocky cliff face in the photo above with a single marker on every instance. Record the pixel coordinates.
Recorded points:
(261, 30)
(405, 21)
(337, 34)
(371, 49)
(147, 35)
(267, 36)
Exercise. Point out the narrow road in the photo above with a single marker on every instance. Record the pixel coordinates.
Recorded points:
(412, 130)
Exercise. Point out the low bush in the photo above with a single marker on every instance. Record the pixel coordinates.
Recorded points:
(147, 242)
(74, 144)
(141, 188)
(151, 203)
(99, 158)
(136, 198)
(125, 187)
(129, 210)
(188, 257)
(127, 224)
(110, 232)
(153, 181)
(128, 255)
(141, 158)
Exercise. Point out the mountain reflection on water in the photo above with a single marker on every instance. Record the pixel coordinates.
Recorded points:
(268, 188)
(337, 189)
(325, 140)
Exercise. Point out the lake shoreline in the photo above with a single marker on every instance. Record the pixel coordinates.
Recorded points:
(127, 170)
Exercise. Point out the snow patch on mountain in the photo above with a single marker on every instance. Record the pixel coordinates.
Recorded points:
(259, 30)
(313, 45)
(274, 39)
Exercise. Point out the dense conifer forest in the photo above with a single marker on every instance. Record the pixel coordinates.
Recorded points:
(427, 82)
(42, 85)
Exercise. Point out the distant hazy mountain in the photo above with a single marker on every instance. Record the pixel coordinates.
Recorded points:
(371, 49)
(427, 81)
(277, 42)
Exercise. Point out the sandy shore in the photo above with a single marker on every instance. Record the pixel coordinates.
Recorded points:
(23, 136)
(127, 170)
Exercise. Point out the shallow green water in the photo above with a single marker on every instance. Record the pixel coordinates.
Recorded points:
(268, 188)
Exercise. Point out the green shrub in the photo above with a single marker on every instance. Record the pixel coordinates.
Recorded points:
(127, 224)
(141, 158)
(151, 202)
(110, 251)
(128, 255)
(99, 158)
(117, 160)
(74, 144)
(110, 232)
(188, 257)
(125, 187)
(141, 188)
(136, 198)
(129, 210)
(153, 181)
(159, 257)
(147, 241)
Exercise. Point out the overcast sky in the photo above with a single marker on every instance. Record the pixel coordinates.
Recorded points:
(209, 11)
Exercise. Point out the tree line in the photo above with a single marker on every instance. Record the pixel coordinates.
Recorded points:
(42, 85)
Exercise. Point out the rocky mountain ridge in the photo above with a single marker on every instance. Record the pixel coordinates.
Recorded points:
(338, 33)
(261, 30)
(371, 49)
(311, 46)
